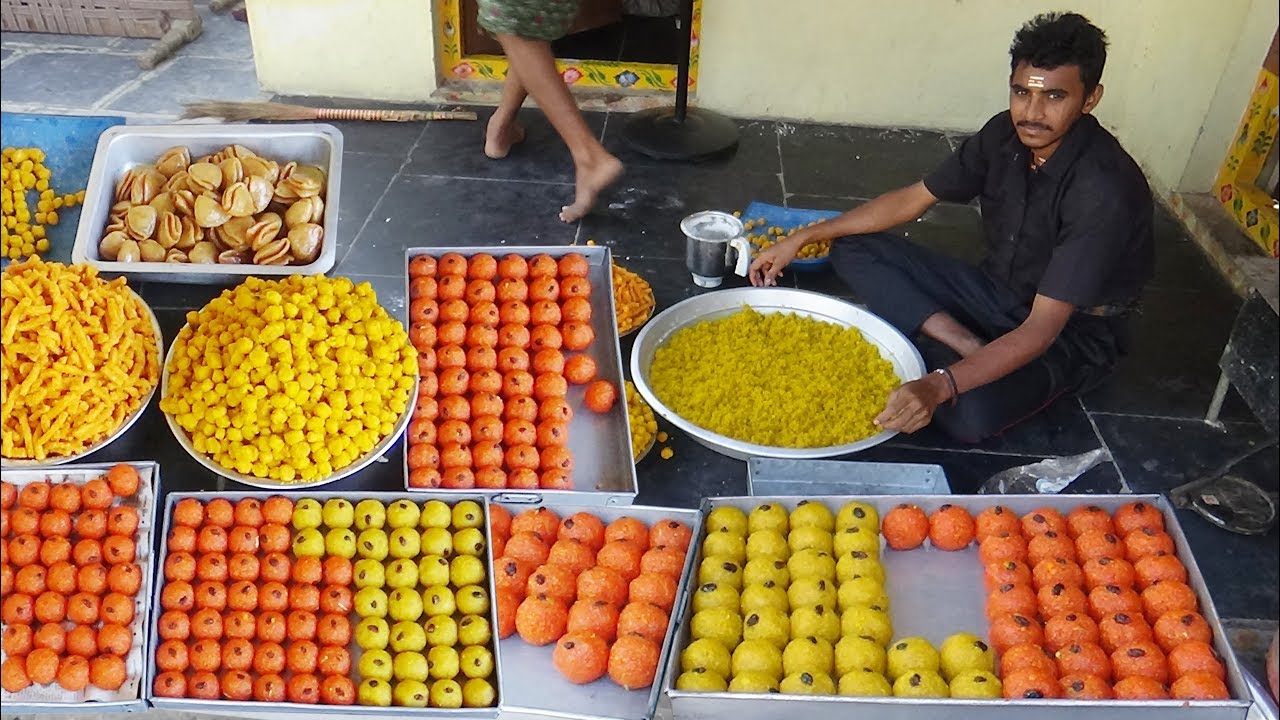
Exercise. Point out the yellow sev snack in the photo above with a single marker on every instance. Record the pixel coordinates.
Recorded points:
(290, 380)
(774, 379)
(79, 356)
(632, 299)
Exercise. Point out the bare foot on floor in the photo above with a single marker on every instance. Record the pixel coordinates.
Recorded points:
(498, 140)
(590, 182)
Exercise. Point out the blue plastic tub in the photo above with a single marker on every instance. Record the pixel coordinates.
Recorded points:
(787, 218)
(69, 143)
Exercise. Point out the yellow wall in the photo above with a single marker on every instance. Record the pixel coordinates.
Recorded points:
(944, 64)
(1177, 79)
(377, 49)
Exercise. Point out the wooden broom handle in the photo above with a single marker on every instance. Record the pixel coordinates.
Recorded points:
(393, 115)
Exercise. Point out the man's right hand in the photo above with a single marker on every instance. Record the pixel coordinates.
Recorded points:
(878, 215)
(768, 265)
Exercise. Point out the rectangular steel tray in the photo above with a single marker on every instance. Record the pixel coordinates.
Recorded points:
(935, 594)
(258, 709)
(124, 147)
(604, 472)
(534, 690)
(148, 491)
(821, 478)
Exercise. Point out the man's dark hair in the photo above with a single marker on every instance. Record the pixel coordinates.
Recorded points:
(1054, 39)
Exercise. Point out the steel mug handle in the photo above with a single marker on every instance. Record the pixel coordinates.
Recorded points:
(743, 248)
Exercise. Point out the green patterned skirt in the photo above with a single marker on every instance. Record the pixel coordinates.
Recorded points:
(535, 19)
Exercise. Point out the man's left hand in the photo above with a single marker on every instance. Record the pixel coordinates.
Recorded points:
(911, 406)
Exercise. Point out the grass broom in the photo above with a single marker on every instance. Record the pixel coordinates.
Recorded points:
(243, 111)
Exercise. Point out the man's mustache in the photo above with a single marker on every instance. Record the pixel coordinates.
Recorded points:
(1033, 126)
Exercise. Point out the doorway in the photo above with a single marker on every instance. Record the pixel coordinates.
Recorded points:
(622, 45)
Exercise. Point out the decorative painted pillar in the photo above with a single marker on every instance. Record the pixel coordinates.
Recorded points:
(1237, 183)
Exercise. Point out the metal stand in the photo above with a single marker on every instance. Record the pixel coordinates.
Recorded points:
(1215, 403)
(1228, 501)
(681, 132)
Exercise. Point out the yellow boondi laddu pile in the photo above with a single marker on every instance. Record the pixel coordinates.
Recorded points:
(79, 356)
(774, 379)
(640, 418)
(292, 379)
(23, 173)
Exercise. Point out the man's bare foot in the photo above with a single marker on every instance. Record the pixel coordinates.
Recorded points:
(499, 139)
(590, 182)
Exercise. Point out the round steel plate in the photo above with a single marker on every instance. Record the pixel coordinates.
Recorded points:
(893, 345)
(124, 426)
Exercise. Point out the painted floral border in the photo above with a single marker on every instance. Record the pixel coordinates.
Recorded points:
(579, 73)
(1236, 187)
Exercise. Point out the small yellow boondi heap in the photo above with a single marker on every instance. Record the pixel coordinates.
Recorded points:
(775, 379)
(641, 420)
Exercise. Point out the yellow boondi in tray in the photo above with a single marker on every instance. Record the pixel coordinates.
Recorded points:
(775, 379)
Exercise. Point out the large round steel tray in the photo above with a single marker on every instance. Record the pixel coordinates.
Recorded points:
(378, 450)
(893, 345)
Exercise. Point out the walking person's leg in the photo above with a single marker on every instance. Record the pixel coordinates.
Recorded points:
(504, 130)
(594, 167)
(525, 29)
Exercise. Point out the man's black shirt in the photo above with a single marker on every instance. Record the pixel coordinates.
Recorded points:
(1077, 229)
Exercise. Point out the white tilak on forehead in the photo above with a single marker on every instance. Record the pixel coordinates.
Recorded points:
(1035, 81)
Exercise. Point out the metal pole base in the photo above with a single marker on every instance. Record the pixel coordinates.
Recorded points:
(1229, 501)
(1235, 504)
(658, 134)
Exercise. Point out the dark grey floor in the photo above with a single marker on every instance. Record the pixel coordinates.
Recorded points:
(429, 185)
(49, 72)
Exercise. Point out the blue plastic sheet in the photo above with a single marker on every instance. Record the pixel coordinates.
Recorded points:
(69, 144)
(787, 218)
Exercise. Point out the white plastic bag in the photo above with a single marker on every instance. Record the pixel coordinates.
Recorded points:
(1048, 476)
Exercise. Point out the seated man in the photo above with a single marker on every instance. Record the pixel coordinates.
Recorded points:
(1067, 216)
